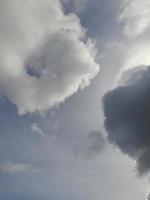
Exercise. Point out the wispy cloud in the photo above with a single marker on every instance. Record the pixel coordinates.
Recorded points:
(16, 168)
(136, 17)
(46, 138)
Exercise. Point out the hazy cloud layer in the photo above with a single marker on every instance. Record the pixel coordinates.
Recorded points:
(15, 168)
(148, 198)
(92, 146)
(44, 55)
(127, 118)
(135, 16)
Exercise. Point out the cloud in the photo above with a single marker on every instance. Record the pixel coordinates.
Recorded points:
(46, 138)
(92, 146)
(127, 117)
(15, 168)
(44, 56)
(148, 197)
(36, 129)
(136, 17)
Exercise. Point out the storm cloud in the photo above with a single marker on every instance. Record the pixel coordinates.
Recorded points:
(127, 117)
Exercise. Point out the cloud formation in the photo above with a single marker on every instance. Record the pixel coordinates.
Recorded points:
(127, 117)
(44, 56)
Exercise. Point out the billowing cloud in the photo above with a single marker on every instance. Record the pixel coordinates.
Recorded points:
(44, 55)
(127, 117)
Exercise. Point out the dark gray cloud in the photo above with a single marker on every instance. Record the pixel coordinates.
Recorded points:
(127, 118)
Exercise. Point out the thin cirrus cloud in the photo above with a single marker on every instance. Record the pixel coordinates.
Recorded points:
(36, 36)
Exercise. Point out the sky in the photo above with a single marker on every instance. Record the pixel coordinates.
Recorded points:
(74, 99)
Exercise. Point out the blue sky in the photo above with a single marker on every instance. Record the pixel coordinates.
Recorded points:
(57, 61)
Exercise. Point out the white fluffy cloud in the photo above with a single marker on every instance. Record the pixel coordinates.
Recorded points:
(44, 55)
